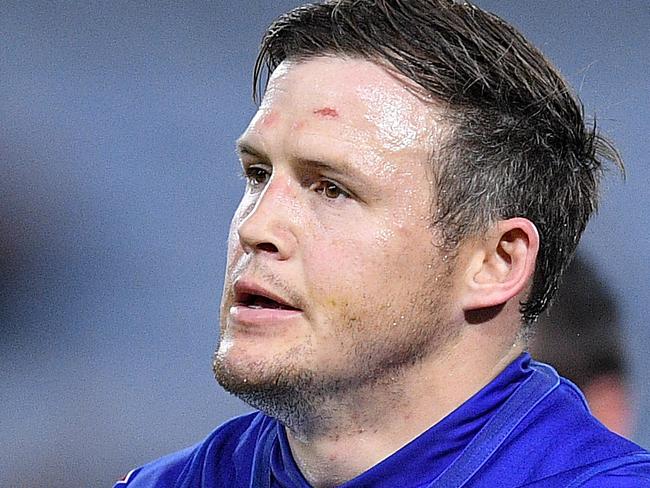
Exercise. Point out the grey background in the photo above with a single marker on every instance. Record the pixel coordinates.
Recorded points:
(117, 182)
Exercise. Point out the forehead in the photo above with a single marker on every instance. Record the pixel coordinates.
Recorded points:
(352, 96)
(333, 77)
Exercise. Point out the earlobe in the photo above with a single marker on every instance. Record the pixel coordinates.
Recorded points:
(501, 265)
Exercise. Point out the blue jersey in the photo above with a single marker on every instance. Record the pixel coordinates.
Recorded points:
(527, 428)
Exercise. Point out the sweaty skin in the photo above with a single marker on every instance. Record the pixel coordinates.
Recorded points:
(335, 223)
(400, 125)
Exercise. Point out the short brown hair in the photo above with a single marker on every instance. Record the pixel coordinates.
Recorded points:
(519, 145)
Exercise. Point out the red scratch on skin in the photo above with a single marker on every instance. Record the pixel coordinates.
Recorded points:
(298, 125)
(270, 119)
(327, 112)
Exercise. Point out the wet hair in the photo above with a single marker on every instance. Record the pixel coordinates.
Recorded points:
(518, 145)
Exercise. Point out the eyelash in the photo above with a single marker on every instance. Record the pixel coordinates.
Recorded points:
(251, 173)
(324, 186)
(257, 176)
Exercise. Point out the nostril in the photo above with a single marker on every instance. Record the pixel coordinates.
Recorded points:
(266, 247)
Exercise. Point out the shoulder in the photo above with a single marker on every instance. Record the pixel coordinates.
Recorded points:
(630, 471)
(221, 454)
(564, 445)
(161, 472)
(561, 429)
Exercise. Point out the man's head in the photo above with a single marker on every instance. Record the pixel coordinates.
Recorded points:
(517, 144)
(334, 279)
(403, 160)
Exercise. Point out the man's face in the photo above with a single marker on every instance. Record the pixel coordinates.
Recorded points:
(333, 278)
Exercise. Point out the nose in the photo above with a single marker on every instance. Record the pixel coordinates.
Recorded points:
(270, 226)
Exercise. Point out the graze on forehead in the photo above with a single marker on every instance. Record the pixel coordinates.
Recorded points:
(327, 112)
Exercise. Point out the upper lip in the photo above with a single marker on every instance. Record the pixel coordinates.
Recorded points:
(244, 290)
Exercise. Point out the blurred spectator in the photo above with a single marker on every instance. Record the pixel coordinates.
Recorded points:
(581, 337)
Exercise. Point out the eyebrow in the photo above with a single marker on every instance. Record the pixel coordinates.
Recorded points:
(243, 147)
(339, 168)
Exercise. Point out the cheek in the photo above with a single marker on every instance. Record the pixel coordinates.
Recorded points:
(234, 247)
(233, 240)
(327, 261)
(332, 268)
(235, 250)
(245, 207)
(353, 264)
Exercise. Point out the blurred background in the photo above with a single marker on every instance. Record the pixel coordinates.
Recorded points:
(117, 182)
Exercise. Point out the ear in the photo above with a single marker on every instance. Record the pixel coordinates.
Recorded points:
(501, 265)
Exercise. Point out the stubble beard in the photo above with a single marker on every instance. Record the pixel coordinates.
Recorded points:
(280, 390)
(307, 399)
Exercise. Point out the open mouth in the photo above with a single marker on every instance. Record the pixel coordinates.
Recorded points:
(256, 301)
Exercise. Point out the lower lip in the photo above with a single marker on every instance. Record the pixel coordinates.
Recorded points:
(262, 316)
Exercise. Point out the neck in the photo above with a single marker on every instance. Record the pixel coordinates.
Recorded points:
(368, 425)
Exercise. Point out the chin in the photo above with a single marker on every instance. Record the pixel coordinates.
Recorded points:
(284, 391)
(244, 370)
